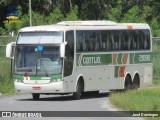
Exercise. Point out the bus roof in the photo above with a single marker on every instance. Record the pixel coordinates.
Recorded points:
(95, 25)
(88, 23)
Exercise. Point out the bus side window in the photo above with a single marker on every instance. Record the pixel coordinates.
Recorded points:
(145, 43)
(69, 53)
(146, 39)
(84, 42)
(125, 40)
(107, 42)
(110, 41)
(90, 41)
(96, 39)
(96, 44)
(134, 45)
(79, 41)
(129, 40)
(100, 42)
(140, 40)
(87, 42)
(137, 39)
(103, 41)
(117, 40)
(80, 48)
(122, 40)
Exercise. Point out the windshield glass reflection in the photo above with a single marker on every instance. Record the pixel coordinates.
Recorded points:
(38, 60)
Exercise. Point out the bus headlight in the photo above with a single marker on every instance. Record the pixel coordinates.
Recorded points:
(55, 80)
(17, 80)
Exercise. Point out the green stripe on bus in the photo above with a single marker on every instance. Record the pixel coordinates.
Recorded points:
(94, 59)
(56, 76)
(116, 71)
(119, 59)
(21, 77)
(138, 58)
(106, 59)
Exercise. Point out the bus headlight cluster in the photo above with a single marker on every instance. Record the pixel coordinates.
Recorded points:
(17, 80)
(55, 80)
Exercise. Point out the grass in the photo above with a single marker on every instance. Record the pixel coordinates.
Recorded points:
(146, 99)
(6, 86)
(156, 67)
(6, 82)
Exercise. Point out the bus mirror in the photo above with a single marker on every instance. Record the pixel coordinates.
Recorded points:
(10, 50)
(62, 49)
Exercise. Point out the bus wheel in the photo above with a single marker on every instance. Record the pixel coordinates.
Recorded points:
(78, 92)
(35, 96)
(128, 83)
(91, 93)
(136, 82)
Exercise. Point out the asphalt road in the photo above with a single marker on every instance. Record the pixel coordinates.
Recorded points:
(63, 103)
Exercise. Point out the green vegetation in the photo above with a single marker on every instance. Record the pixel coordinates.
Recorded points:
(146, 99)
(6, 82)
(156, 63)
(138, 100)
(53, 11)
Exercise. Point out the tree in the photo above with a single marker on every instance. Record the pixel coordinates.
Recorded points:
(155, 28)
(133, 15)
(73, 14)
(92, 9)
(115, 13)
(55, 16)
(53, 11)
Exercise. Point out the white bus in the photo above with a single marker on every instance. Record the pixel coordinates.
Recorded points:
(81, 56)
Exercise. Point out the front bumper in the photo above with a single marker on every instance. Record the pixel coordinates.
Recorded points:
(55, 87)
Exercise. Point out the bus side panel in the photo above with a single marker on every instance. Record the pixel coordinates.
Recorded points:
(108, 78)
(99, 78)
(143, 70)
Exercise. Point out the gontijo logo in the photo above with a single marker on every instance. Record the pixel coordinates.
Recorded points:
(91, 60)
(88, 60)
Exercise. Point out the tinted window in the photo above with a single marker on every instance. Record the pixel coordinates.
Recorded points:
(112, 40)
(69, 53)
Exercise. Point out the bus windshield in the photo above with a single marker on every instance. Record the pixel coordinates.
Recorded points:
(38, 60)
(40, 37)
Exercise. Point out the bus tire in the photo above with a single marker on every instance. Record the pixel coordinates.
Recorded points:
(136, 82)
(91, 93)
(128, 83)
(78, 92)
(35, 96)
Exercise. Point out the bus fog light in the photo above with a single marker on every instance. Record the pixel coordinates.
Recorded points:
(17, 80)
(55, 80)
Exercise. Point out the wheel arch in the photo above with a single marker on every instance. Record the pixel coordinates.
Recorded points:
(80, 78)
(129, 75)
(136, 74)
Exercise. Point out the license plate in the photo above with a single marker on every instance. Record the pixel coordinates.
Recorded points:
(36, 88)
